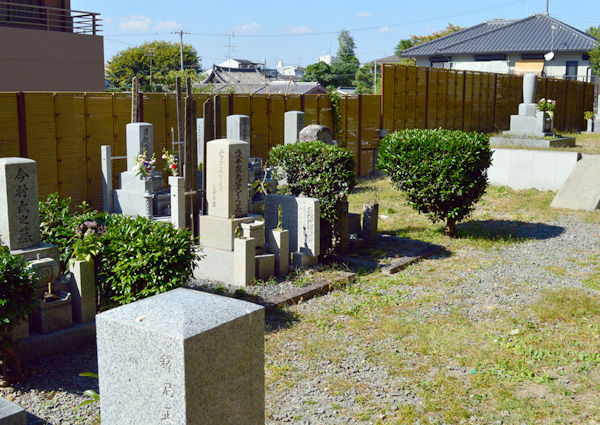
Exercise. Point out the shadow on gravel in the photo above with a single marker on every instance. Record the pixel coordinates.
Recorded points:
(279, 319)
(508, 230)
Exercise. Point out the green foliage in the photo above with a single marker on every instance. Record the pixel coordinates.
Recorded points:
(134, 258)
(135, 61)
(17, 292)
(595, 59)
(142, 257)
(588, 115)
(319, 72)
(442, 172)
(94, 396)
(363, 81)
(170, 79)
(336, 116)
(317, 170)
(594, 31)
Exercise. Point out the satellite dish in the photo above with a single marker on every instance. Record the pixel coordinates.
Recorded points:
(549, 56)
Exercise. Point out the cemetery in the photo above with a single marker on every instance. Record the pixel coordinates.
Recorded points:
(243, 289)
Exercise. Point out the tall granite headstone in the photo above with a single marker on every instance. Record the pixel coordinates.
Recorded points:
(227, 178)
(182, 357)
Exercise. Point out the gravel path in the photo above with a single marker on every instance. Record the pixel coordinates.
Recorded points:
(557, 255)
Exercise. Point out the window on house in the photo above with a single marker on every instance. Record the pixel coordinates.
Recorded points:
(571, 71)
(439, 61)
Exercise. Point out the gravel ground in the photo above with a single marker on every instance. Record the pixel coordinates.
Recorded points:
(53, 387)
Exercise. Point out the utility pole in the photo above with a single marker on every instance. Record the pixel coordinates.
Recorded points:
(229, 45)
(181, 32)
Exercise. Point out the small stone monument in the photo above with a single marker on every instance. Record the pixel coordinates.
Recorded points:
(182, 357)
(301, 216)
(316, 132)
(238, 127)
(530, 126)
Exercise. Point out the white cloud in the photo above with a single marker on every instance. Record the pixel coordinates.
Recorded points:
(166, 25)
(363, 15)
(246, 29)
(385, 29)
(300, 30)
(136, 23)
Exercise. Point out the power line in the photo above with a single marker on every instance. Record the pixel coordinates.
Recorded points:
(180, 32)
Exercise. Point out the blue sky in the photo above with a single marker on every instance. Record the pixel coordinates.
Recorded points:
(298, 32)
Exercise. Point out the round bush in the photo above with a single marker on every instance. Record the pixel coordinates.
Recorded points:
(442, 172)
(317, 170)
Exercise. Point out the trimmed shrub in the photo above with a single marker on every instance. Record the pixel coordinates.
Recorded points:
(142, 257)
(442, 172)
(317, 170)
(17, 292)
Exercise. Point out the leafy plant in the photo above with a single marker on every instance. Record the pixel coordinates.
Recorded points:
(94, 396)
(588, 115)
(317, 170)
(336, 116)
(442, 172)
(142, 257)
(17, 292)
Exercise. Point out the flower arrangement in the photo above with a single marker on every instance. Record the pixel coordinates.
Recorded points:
(546, 105)
(144, 166)
(171, 161)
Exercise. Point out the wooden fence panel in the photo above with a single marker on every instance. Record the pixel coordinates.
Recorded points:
(276, 120)
(370, 122)
(431, 98)
(41, 140)
(350, 106)
(259, 116)
(9, 126)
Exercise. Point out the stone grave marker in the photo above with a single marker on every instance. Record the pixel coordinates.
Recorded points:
(301, 216)
(316, 132)
(182, 357)
(238, 127)
(19, 212)
(294, 122)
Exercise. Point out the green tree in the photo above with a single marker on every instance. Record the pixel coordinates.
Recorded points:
(415, 40)
(342, 70)
(594, 31)
(346, 64)
(595, 60)
(319, 72)
(135, 61)
(363, 81)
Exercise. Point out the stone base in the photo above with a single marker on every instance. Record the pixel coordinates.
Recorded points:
(236, 267)
(11, 414)
(20, 333)
(302, 259)
(518, 140)
(54, 316)
(581, 191)
(357, 243)
(44, 250)
(265, 266)
(218, 232)
(530, 125)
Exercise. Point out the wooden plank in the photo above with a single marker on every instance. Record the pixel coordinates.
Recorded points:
(468, 101)
(258, 130)
(421, 98)
(399, 99)
(450, 115)
(442, 99)
(431, 98)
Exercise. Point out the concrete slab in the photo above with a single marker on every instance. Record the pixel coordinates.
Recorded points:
(581, 191)
(519, 140)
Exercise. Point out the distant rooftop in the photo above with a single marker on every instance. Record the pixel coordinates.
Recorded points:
(537, 33)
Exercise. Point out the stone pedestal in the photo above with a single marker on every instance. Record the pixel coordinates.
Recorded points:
(279, 245)
(83, 291)
(11, 414)
(54, 316)
(177, 185)
(182, 357)
(370, 222)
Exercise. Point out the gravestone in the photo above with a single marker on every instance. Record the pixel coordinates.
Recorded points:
(182, 357)
(200, 139)
(19, 211)
(301, 216)
(316, 132)
(294, 122)
(238, 127)
(11, 414)
(227, 178)
(135, 195)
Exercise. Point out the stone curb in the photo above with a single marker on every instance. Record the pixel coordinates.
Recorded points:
(302, 294)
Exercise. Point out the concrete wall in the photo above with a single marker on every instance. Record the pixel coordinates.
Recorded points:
(531, 169)
(35, 60)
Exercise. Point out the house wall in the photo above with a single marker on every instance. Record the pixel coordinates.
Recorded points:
(35, 60)
(556, 68)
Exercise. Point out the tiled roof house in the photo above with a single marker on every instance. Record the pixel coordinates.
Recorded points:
(538, 43)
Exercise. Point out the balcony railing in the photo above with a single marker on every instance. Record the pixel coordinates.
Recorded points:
(49, 18)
